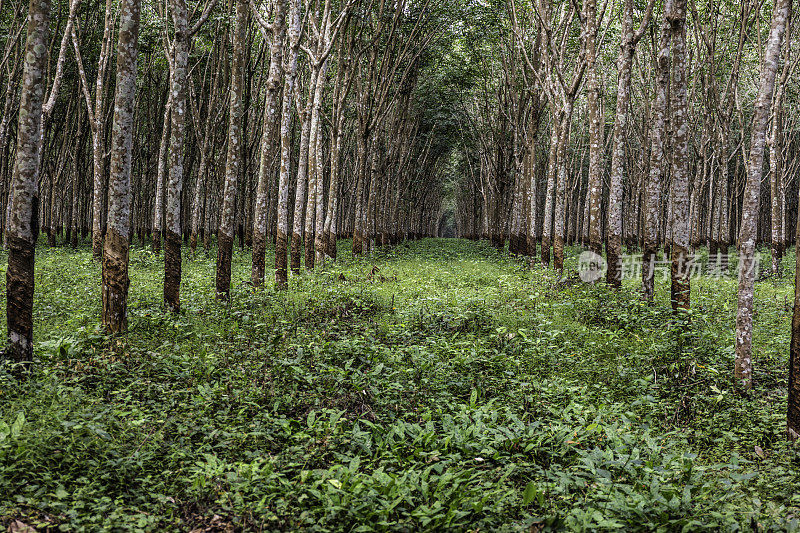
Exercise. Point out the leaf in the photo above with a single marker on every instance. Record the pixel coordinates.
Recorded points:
(336, 483)
(531, 491)
(760, 452)
(335, 416)
(5, 431)
(16, 427)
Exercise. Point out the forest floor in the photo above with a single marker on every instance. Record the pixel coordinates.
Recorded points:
(440, 385)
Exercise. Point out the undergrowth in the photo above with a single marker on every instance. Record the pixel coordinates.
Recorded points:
(438, 385)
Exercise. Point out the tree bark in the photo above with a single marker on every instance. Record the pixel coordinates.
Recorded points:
(657, 165)
(595, 119)
(115, 248)
(180, 67)
(630, 38)
(743, 370)
(271, 119)
(676, 16)
(233, 160)
(23, 205)
(290, 76)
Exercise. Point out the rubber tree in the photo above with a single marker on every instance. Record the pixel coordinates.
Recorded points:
(115, 247)
(652, 192)
(277, 32)
(630, 37)
(24, 209)
(743, 368)
(675, 15)
(96, 108)
(234, 154)
(290, 77)
(179, 69)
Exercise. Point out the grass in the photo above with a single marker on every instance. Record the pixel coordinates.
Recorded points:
(441, 385)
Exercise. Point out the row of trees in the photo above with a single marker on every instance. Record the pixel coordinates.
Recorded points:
(670, 128)
(540, 122)
(284, 122)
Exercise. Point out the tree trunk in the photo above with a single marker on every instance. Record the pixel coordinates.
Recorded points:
(23, 199)
(361, 177)
(180, 65)
(657, 166)
(530, 176)
(329, 237)
(271, 118)
(561, 188)
(115, 248)
(302, 178)
(158, 210)
(290, 70)
(793, 403)
(615, 191)
(552, 175)
(743, 370)
(776, 180)
(314, 160)
(225, 233)
(676, 16)
(315, 246)
(596, 144)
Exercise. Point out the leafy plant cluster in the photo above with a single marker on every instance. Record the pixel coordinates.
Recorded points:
(441, 386)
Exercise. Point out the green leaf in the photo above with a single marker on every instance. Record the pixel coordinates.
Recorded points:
(530, 494)
(16, 427)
